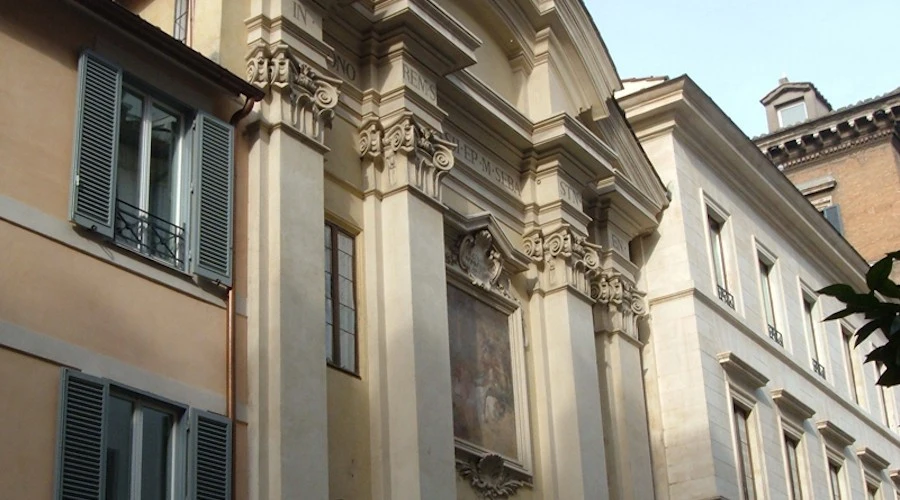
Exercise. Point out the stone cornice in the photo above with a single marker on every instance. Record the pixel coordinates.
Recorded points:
(834, 435)
(593, 159)
(791, 405)
(871, 459)
(741, 371)
(835, 138)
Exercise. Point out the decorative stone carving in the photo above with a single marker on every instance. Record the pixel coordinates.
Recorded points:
(410, 153)
(488, 477)
(620, 304)
(580, 259)
(475, 256)
(312, 96)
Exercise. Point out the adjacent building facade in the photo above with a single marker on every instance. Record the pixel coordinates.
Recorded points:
(750, 393)
(846, 161)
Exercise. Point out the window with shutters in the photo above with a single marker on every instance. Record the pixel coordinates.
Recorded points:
(151, 174)
(340, 300)
(118, 443)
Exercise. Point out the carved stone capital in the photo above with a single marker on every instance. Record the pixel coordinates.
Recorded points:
(405, 152)
(475, 256)
(565, 257)
(488, 477)
(312, 96)
(620, 305)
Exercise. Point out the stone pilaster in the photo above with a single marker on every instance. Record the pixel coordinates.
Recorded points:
(287, 448)
(570, 425)
(409, 369)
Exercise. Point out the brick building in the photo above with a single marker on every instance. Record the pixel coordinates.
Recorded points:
(846, 161)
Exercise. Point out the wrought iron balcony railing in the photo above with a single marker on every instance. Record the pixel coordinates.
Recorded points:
(725, 296)
(817, 367)
(775, 335)
(149, 235)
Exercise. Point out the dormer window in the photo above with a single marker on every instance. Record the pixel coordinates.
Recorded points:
(792, 113)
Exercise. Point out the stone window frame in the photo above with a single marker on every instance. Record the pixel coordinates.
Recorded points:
(776, 292)
(872, 466)
(834, 441)
(742, 381)
(792, 417)
(714, 211)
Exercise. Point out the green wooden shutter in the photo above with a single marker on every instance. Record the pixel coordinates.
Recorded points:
(81, 456)
(96, 143)
(209, 457)
(214, 155)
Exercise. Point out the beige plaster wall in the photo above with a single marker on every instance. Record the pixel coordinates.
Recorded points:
(27, 425)
(160, 13)
(493, 62)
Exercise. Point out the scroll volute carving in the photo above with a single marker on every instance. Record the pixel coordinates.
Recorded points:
(488, 477)
(564, 257)
(312, 96)
(620, 304)
(405, 151)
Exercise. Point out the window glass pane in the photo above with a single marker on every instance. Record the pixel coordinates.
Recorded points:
(348, 351)
(345, 264)
(157, 430)
(793, 468)
(715, 242)
(118, 449)
(764, 273)
(811, 329)
(345, 243)
(165, 128)
(129, 159)
(345, 292)
(745, 461)
(792, 113)
(329, 343)
(348, 319)
(835, 480)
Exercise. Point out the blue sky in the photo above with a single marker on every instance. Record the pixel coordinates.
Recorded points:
(736, 50)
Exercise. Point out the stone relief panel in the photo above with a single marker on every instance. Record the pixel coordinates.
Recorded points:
(409, 153)
(312, 96)
(487, 359)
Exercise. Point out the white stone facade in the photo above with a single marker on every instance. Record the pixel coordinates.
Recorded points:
(703, 356)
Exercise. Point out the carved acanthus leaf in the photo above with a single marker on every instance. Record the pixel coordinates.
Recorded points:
(580, 257)
(488, 477)
(621, 304)
(427, 154)
(313, 96)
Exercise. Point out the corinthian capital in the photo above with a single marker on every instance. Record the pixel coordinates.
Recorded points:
(312, 96)
(620, 305)
(405, 152)
(565, 257)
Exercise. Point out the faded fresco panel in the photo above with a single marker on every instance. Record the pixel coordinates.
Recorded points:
(484, 412)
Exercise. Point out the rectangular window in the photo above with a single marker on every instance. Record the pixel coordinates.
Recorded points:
(121, 444)
(834, 480)
(809, 321)
(717, 252)
(765, 282)
(791, 113)
(182, 18)
(744, 457)
(882, 398)
(794, 483)
(850, 360)
(133, 180)
(340, 300)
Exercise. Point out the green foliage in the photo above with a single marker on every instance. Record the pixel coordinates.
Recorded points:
(881, 312)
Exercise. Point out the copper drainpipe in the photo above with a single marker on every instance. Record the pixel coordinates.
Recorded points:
(230, 376)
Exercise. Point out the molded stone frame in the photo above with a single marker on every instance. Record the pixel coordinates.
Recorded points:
(835, 440)
(480, 261)
(713, 210)
(793, 415)
(743, 381)
(873, 466)
(768, 257)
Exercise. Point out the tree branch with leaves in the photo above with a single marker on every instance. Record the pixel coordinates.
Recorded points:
(881, 309)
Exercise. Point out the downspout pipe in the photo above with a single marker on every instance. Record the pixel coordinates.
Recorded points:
(230, 358)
